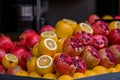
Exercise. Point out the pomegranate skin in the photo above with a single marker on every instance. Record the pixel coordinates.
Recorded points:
(91, 56)
(116, 52)
(92, 18)
(63, 64)
(107, 58)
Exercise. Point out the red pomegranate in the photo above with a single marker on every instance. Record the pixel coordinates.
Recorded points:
(107, 58)
(100, 27)
(84, 37)
(5, 42)
(116, 52)
(114, 36)
(79, 63)
(91, 56)
(2, 70)
(2, 53)
(100, 41)
(63, 64)
(72, 46)
(117, 17)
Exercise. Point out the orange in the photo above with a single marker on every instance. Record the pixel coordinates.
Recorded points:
(90, 73)
(63, 30)
(31, 64)
(50, 76)
(21, 73)
(84, 27)
(34, 74)
(47, 46)
(44, 64)
(49, 34)
(100, 69)
(117, 66)
(114, 24)
(9, 60)
(112, 70)
(78, 75)
(60, 45)
(107, 17)
(65, 77)
(35, 51)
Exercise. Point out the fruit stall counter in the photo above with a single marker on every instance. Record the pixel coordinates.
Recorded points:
(111, 76)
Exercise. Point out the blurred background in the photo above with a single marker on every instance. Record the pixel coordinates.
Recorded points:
(18, 15)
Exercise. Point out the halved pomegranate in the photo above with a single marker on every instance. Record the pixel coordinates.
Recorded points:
(91, 56)
(100, 27)
(84, 37)
(116, 52)
(100, 41)
(114, 36)
(79, 63)
(64, 65)
(107, 58)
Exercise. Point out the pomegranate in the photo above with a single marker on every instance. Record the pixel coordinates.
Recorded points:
(2, 70)
(12, 70)
(31, 41)
(46, 28)
(114, 36)
(27, 33)
(116, 52)
(63, 64)
(2, 53)
(72, 46)
(84, 37)
(117, 17)
(79, 63)
(107, 58)
(24, 58)
(92, 18)
(91, 56)
(5, 42)
(100, 41)
(100, 27)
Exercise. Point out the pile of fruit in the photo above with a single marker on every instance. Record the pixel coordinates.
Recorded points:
(66, 51)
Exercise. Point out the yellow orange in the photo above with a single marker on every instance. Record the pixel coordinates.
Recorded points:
(117, 66)
(112, 70)
(65, 77)
(35, 51)
(34, 74)
(50, 76)
(107, 17)
(63, 30)
(9, 60)
(78, 75)
(31, 64)
(44, 64)
(47, 46)
(21, 73)
(84, 27)
(113, 25)
(90, 73)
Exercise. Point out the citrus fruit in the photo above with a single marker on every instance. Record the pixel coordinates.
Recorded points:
(100, 70)
(117, 66)
(60, 44)
(44, 64)
(34, 74)
(63, 30)
(107, 17)
(112, 70)
(47, 46)
(49, 34)
(78, 75)
(50, 76)
(9, 60)
(65, 77)
(21, 73)
(114, 24)
(84, 27)
(35, 51)
(90, 73)
(70, 22)
(31, 64)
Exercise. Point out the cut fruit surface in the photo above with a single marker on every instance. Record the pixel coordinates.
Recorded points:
(44, 64)
(113, 25)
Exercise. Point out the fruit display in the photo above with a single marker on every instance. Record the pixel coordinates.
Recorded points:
(66, 51)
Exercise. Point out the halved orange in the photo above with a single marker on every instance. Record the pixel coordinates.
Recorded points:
(84, 27)
(44, 64)
(9, 60)
(49, 34)
(114, 24)
(35, 51)
(47, 46)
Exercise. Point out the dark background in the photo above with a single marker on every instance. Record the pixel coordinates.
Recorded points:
(77, 10)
